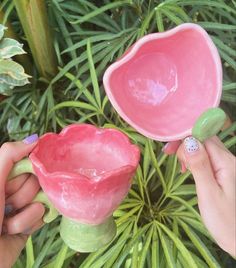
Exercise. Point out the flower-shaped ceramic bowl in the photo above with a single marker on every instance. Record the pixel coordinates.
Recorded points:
(85, 172)
(165, 81)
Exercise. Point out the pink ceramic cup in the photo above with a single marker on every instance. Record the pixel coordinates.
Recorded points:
(165, 81)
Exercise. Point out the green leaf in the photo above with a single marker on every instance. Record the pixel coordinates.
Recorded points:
(158, 170)
(178, 10)
(146, 246)
(159, 21)
(146, 160)
(229, 86)
(167, 249)
(216, 26)
(210, 260)
(112, 254)
(101, 10)
(29, 253)
(73, 104)
(123, 232)
(182, 249)
(206, 4)
(93, 75)
(84, 90)
(171, 16)
(189, 189)
(61, 256)
(146, 23)
(128, 214)
(44, 250)
(155, 249)
(9, 48)
(130, 245)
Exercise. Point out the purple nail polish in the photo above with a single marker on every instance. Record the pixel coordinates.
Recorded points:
(31, 139)
(191, 144)
(8, 209)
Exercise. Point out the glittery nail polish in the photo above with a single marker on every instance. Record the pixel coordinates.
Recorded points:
(191, 144)
(31, 139)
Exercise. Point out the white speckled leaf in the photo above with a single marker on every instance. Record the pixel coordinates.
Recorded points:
(12, 69)
(13, 82)
(5, 89)
(2, 29)
(9, 48)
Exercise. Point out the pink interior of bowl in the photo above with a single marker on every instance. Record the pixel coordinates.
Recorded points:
(166, 81)
(86, 150)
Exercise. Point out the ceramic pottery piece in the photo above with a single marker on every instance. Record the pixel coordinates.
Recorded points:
(85, 173)
(165, 81)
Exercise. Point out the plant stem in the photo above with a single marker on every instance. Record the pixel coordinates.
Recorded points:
(34, 20)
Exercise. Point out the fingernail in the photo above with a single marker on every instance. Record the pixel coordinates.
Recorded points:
(31, 139)
(191, 145)
(165, 147)
(8, 209)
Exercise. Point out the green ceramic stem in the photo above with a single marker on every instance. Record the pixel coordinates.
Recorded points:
(25, 166)
(51, 213)
(209, 124)
(85, 237)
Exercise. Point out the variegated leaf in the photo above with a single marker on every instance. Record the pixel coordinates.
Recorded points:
(9, 48)
(13, 69)
(13, 82)
(5, 89)
(2, 29)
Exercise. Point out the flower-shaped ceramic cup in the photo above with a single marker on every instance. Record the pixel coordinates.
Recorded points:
(85, 172)
(166, 84)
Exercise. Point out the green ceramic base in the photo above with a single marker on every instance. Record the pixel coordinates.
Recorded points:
(85, 237)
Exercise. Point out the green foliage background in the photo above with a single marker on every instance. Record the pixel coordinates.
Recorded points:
(158, 223)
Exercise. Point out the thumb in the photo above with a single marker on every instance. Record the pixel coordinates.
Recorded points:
(193, 154)
(10, 153)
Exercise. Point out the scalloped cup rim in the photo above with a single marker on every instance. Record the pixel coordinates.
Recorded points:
(70, 175)
(131, 54)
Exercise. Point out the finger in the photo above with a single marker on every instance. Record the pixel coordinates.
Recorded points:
(15, 184)
(25, 194)
(171, 147)
(25, 219)
(223, 163)
(195, 157)
(10, 153)
(15, 242)
(34, 227)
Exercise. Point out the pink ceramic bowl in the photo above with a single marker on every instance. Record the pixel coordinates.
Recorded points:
(85, 171)
(165, 81)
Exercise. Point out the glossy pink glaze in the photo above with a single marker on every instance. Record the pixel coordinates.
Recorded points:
(85, 171)
(164, 82)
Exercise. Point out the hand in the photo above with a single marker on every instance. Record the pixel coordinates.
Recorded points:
(213, 168)
(18, 216)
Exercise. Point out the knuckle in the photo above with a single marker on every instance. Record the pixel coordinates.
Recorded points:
(7, 146)
(14, 226)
